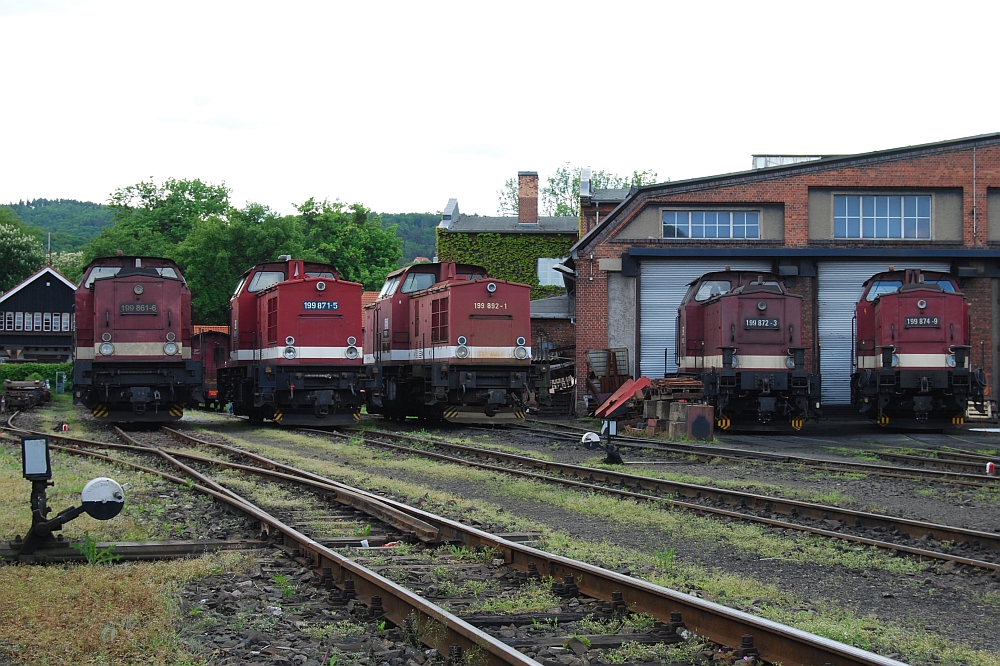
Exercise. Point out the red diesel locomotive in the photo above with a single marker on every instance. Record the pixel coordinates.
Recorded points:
(295, 356)
(443, 340)
(132, 343)
(913, 349)
(741, 333)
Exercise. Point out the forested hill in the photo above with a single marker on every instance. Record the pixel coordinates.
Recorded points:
(71, 222)
(417, 232)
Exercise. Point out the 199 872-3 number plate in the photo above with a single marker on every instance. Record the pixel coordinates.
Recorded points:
(752, 324)
(319, 305)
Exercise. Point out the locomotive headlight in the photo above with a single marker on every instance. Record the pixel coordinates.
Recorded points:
(921, 304)
(520, 353)
(895, 360)
(521, 341)
(137, 289)
(761, 305)
(170, 348)
(462, 352)
(107, 349)
(171, 336)
(106, 337)
(352, 352)
(289, 340)
(289, 353)
(951, 360)
(321, 286)
(462, 340)
(790, 363)
(736, 361)
(491, 287)
(351, 340)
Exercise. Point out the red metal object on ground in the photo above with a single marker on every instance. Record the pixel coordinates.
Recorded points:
(619, 397)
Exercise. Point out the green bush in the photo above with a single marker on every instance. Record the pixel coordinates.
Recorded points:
(23, 371)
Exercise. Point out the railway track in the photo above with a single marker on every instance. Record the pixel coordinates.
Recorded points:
(887, 532)
(961, 467)
(608, 590)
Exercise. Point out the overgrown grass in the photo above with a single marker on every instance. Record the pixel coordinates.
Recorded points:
(84, 614)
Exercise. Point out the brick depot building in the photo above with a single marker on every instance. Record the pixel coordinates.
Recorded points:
(825, 224)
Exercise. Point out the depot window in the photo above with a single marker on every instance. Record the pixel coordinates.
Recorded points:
(871, 216)
(65, 321)
(38, 321)
(10, 322)
(18, 321)
(711, 224)
(47, 321)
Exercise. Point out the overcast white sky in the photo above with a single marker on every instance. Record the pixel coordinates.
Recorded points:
(403, 105)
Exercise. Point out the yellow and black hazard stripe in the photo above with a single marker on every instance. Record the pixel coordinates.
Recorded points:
(100, 411)
(357, 416)
(723, 422)
(883, 420)
(797, 422)
(451, 412)
(519, 414)
(278, 416)
(958, 420)
(177, 411)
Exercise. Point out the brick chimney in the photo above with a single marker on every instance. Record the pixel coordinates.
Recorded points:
(527, 197)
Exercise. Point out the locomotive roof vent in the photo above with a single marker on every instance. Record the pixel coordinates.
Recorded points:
(284, 257)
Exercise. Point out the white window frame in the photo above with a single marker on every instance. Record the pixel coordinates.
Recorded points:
(38, 321)
(18, 321)
(690, 212)
(871, 225)
(56, 322)
(10, 321)
(548, 276)
(65, 321)
(47, 321)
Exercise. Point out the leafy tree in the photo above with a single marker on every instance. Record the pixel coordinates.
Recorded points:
(562, 194)
(69, 264)
(352, 239)
(219, 250)
(507, 198)
(20, 251)
(150, 219)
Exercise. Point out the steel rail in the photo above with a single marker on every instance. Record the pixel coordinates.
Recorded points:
(776, 642)
(761, 501)
(741, 455)
(398, 602)
(136, 550)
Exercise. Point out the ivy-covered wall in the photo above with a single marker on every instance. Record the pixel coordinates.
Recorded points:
(512, 257)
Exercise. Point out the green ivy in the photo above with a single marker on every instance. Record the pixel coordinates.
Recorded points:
(20, 372)
(512, 257)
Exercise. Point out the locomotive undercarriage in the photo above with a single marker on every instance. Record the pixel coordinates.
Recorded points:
(932, 397)
(453, 393)
(137, 392)
(294, 395)
(763, 395)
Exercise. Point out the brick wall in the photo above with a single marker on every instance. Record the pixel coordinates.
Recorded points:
(560, 332)
(929, 167)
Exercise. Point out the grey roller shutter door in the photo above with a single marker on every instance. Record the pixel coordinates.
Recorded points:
(839, 284)
(662, 286)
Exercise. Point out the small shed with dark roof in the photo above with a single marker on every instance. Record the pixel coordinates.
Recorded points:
(36, 319)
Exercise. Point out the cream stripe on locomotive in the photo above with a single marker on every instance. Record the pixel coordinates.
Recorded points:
(129, 349)
(744, 362)
(432, 353)
(301, 353)
(874, 362)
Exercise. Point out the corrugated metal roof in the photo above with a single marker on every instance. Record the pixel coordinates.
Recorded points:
(509, 225)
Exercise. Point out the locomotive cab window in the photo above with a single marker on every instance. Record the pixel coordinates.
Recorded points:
(320, 274)
(101, 272)
(167, 272)
(264, 280)
(389, 288)
(711, 288)
(417, 281)
(243, 281)
(882, 287)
